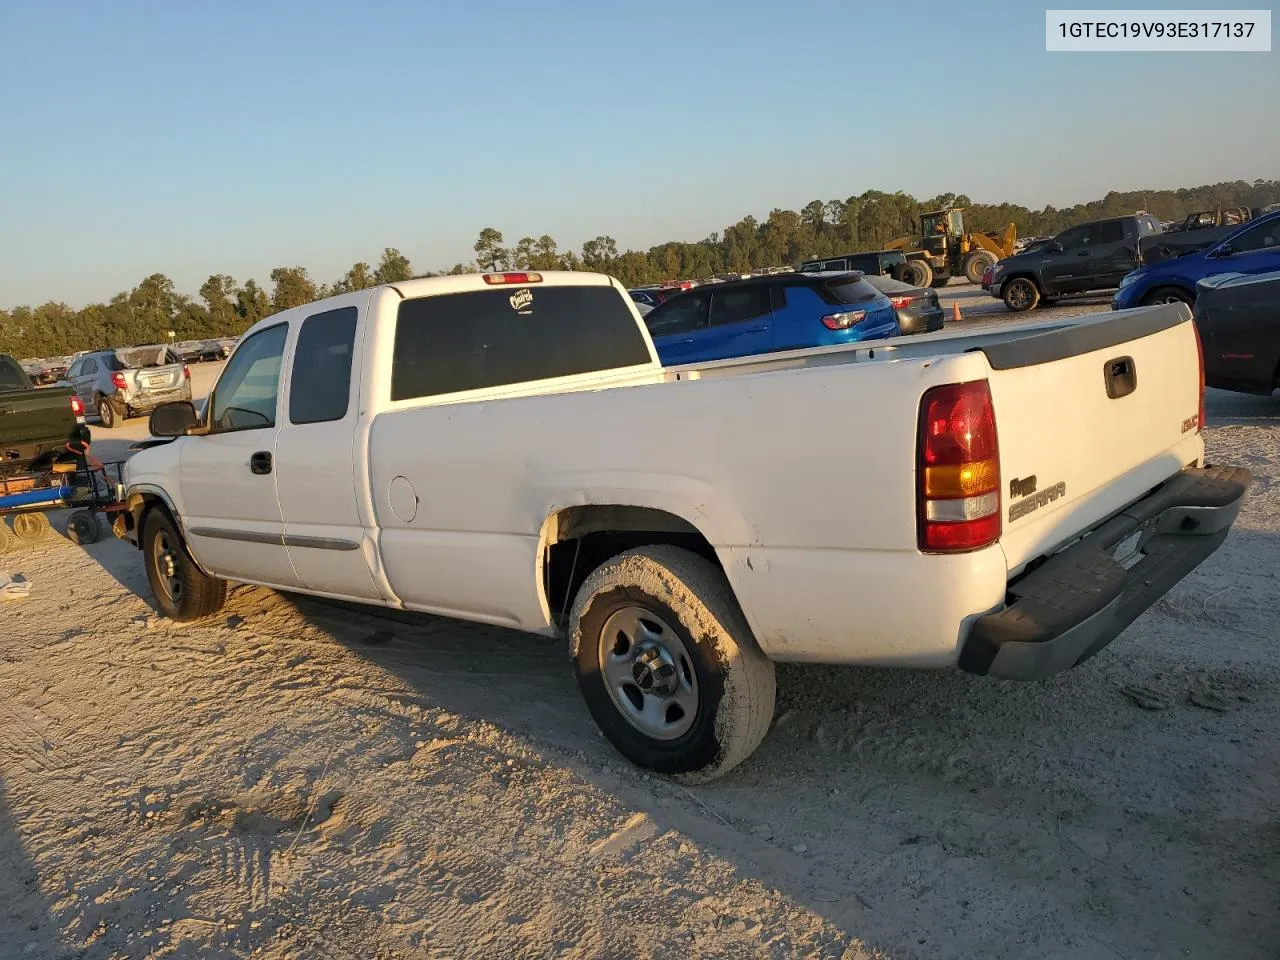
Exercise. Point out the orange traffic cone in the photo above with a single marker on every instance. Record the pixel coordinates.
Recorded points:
(955, 312)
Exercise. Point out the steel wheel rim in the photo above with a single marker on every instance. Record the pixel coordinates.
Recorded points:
(168, 564)
(649, 673)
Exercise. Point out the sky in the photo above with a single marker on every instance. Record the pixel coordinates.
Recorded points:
(191, 139)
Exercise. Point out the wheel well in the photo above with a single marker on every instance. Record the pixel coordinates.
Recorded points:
(1180, 288)
(141, 506)
(578, 539)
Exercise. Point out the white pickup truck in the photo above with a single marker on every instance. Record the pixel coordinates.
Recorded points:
(506, 448)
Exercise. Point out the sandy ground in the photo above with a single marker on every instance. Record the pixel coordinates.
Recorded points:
(295, 779)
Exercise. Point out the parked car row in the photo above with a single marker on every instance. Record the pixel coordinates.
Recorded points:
(118, 384)
(1134, 256)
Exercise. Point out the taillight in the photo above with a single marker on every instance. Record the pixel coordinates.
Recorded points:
(958, 465)
(119, 381)
(842, 321)
(900, 303)
(1200, 362)
(77, 408)
(186, 373)
(497, 278)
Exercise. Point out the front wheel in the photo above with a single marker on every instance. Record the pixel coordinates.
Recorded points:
(1168, 295)
(1020, 294)
(182, 590)
(667, 665)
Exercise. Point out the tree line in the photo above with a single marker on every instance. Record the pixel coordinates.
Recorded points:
(146, 313)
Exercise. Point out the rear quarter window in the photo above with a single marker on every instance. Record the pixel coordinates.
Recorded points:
(494, 338)
(849, 290)
(12, 376)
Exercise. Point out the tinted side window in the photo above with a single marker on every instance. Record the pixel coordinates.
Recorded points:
(245, 396)
(1259, 238)
(90, 367)
(849, 291)
(1078, 237)
(74, 370)
(491, 338)
(678, 315)
(1110, 231)
(320, 384)
(777, 297)
(739, 306)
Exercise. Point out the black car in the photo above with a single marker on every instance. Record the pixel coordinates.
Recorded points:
(1238, 316)
(918, 308)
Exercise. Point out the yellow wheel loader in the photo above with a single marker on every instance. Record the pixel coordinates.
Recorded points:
(943, 249)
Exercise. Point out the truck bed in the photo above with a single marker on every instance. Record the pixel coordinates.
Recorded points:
(35, 423)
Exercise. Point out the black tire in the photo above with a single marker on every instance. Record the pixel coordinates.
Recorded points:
(901, 272)
(30, 526)
(939, 282)
(181, 589)
(976, 264)
(83, 527)
(1020, 294)
(108, 416)
(1168, 295)
(919, 273)
(718, 664)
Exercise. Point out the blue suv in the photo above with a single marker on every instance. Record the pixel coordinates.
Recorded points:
(1254, 248)
(764, 314)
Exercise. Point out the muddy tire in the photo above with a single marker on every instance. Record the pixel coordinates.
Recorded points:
(667, 664)
(938, 282)
(977, 263)
(181, 589)
(7, 540)
(83, 528)
(31, 526)
(1019, 294)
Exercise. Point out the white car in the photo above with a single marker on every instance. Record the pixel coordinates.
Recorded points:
(507, 449)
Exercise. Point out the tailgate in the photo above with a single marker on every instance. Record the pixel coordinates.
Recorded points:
(1089, 418)
(35, 416)
(157, 379)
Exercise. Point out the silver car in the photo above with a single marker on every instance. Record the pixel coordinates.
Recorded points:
(118, 384)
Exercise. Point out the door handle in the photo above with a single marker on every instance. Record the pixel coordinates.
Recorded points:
(260, 462)
(1120, 377)
(1083, 253)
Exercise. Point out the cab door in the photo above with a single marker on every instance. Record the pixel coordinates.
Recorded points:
(227, 479)
(1069, 269)
(739, 323)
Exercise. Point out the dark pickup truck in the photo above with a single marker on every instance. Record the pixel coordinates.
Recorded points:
(1090, 257)
(35, 423)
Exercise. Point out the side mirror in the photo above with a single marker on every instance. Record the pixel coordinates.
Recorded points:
(173, 419)
(1054, 247)
(1225, 250)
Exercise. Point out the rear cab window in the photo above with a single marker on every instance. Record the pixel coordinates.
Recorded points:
(510, 335)
(12, 376)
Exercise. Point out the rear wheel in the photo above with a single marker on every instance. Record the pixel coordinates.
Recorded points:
(1168, 295)
(6, 538)
(940, 280)
(919, 273)
(977, 263)
(667, 665)
(107, 413)
(1020, 294)
(182, 590)
(31, 526)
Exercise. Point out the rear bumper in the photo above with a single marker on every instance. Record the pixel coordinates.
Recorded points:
(1080, 599)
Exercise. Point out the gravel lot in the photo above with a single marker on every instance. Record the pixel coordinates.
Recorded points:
(296, 779)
